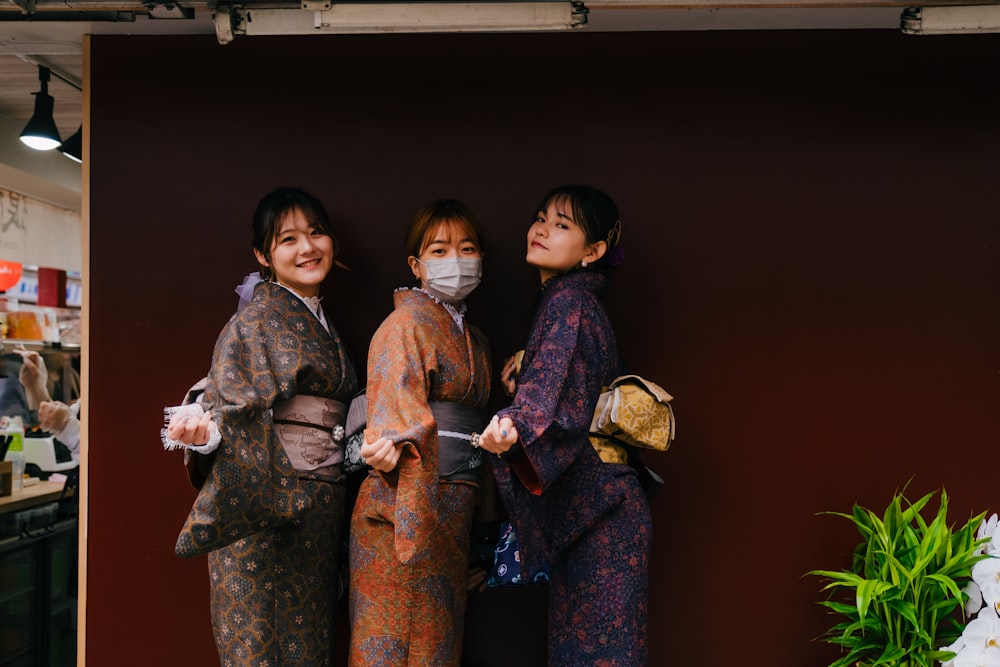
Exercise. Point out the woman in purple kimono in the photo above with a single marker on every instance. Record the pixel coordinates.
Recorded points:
(428, 383)
(271, 503)
(587, 520)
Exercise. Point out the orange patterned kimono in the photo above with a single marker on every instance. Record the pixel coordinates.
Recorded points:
(410, 529)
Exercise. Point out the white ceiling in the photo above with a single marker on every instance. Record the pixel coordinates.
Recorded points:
(52, 177)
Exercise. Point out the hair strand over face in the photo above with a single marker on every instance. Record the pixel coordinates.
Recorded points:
(440, 211)
(594, 212)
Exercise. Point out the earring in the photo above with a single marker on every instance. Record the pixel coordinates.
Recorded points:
(583, 264)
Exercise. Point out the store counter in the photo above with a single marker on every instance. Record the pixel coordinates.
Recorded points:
(33, 495)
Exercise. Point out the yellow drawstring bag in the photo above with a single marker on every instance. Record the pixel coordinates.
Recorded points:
(632, 411)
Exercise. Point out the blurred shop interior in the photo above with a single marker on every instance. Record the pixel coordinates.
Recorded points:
(40, 312)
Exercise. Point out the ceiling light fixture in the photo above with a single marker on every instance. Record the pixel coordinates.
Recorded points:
(950, 20)
(73, 147)
(317, 17)
(41, 132)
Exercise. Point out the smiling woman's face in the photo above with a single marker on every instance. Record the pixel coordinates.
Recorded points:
(301, 254)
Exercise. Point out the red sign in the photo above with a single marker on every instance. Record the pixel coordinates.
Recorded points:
(10, 274)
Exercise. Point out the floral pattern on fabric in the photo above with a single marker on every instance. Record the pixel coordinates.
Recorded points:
(419, 355)
(272, 536)
(409, 613)
(598, 592)
(567, 505)
(272, 592)
(271, 350)
(410, 532)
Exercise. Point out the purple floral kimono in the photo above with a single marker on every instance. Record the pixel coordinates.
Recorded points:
(588, 520)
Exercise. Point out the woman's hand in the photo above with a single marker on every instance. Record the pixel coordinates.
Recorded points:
(34, 378)
(499, 436)
(53, 416)
(382, 454)
(507, 379)
(190, 430)
(33, 365)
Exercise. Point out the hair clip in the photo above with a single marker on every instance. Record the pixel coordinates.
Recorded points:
(615, 235)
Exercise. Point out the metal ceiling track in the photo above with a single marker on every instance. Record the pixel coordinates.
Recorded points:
(91, 10)
(95, 10)
(232, 17)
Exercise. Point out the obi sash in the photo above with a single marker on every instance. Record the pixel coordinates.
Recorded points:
(311, 431)
(457, 423)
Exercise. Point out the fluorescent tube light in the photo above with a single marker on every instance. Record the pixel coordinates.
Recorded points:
(379, 17)
(950, 20)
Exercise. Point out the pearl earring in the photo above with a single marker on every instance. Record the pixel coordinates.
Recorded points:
(583, 264)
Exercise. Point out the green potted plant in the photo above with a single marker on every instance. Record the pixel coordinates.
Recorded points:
(901, 600)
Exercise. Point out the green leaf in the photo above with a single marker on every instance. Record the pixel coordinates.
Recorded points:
(846, 661)
(947, 584)
(889, 655)
(906, 609)
(941, 656)
(868, 590)
(840, 607)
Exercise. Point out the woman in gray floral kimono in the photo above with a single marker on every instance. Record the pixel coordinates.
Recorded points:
(271, 507)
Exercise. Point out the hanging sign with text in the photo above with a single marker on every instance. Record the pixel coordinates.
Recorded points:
(35, 233)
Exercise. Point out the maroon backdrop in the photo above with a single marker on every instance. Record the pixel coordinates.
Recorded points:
(811, 228)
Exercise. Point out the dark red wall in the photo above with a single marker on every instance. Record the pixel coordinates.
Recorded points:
(812, 236)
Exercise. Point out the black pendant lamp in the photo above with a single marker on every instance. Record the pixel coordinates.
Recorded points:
(73, 147)
(41, 132)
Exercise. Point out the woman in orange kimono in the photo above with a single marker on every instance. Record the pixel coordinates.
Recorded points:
(428, 383)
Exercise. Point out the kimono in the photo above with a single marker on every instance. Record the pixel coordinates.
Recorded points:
(587, 520)
(272, 534)
(410, 530)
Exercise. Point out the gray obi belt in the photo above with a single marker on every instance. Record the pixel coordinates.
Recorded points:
(311, 430)
(458, 428)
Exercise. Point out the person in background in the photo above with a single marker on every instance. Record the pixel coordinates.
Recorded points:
(428, 384)
(589, 521)
(271, 508)
(55, 417)
(14, 399)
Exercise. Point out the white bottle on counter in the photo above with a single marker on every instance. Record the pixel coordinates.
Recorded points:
(14, 428)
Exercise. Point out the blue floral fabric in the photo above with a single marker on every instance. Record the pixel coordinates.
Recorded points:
(506, 570)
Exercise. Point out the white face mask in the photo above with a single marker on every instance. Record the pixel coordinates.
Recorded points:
(454, 278)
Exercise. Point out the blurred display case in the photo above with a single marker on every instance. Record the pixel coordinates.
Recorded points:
(38, 546)
(52, 332)
(38, 327)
